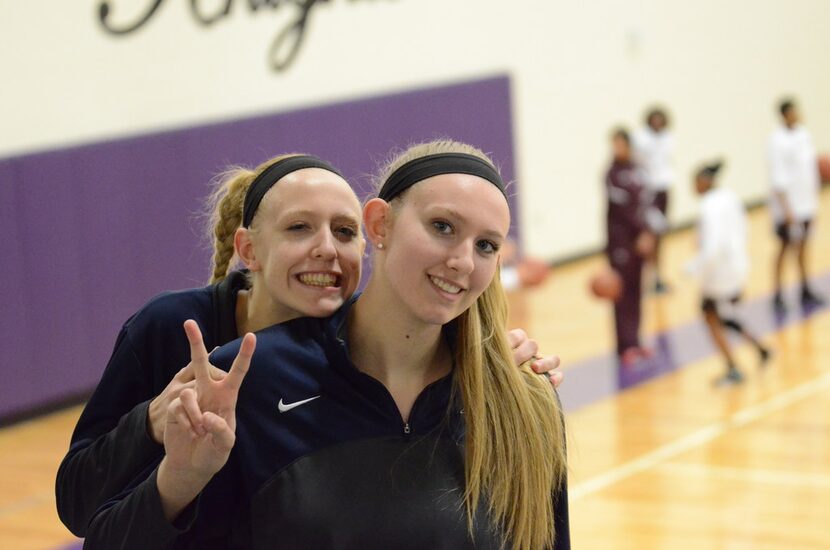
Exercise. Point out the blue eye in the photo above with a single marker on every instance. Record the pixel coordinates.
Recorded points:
(487, 247)
(346, 233)
(442, 227)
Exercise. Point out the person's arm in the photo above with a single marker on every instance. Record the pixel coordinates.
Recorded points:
(110, 445)
(120, 431)
(781, 177)
(648, 220)
(626, 196)
(198, 438)
(714, 234)
(784, 203)
(136, 521)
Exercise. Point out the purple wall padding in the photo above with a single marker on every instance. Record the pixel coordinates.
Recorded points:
(90, 233)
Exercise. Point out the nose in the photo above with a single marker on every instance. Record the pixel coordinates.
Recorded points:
(461, 258)
(324, 248)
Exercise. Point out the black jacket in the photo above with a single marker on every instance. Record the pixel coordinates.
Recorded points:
(324, 460)
(110, 446)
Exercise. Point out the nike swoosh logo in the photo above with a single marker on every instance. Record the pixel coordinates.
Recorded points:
(285, 407)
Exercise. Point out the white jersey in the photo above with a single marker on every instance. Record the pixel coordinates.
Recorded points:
(722, 262)
(654, 152)
(794, 172)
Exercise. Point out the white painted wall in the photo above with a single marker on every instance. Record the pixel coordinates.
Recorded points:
(578, 69)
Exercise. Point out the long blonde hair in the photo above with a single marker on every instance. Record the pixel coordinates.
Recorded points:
(515, 441)
(224, 213)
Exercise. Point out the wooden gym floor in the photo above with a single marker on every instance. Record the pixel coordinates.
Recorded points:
(659, 458)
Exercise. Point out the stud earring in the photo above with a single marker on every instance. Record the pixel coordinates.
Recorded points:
(380, 246)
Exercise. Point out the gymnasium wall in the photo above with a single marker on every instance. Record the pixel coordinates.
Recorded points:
(93, 231)
(539, 83)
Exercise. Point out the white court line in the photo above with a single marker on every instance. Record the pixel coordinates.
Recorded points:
(698, 438)
(752, 475)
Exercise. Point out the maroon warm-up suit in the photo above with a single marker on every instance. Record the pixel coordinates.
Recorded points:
(626, 206)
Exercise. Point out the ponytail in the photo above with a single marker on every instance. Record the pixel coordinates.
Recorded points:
(515, 443)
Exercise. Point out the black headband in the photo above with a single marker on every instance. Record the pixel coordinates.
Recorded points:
(434, 165)
(272, 175)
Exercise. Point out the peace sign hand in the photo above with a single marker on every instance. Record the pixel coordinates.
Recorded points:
(201, 425)
(157, 411)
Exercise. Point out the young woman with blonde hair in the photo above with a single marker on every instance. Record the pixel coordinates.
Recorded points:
(399, 422)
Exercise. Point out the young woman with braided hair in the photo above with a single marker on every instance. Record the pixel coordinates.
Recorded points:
(294, 223)
(399, 422)
(302, 245)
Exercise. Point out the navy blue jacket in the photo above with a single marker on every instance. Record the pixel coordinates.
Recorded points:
(110, 446)
(323, 460)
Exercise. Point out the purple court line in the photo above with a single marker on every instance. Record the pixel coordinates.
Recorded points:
(599, 377)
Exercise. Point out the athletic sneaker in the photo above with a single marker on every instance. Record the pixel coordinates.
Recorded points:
(778, 303)
(630, 356)
(809, 299)
(660, 287)
(764, 354)
(645, 353)
(633, 355)
(732, 376)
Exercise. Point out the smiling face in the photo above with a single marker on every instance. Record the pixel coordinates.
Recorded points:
(441, 249)
(305, 246)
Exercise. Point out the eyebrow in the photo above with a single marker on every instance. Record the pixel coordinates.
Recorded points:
(341, 217)
(452, 213)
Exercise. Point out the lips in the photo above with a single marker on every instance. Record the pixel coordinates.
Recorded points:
(319, 279)
(446, 286)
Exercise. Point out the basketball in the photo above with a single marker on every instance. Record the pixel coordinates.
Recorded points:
(824, 168)
(607, 284)
(532, 272)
